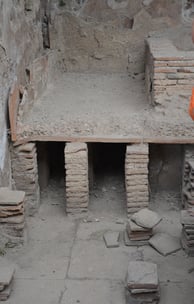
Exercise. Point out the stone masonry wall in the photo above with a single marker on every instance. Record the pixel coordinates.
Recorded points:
(136, 177)
(77, 184)
(20, 42)
(25, 173)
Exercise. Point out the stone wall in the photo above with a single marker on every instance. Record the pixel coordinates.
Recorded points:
(20, 42)
(107, 35)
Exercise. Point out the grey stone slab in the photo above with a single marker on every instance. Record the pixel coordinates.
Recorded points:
(165, 243)
(11, 197)
(92, 260)
(87, 292)
(173, 293)
(141, 275)
(111, 239)
(36, 291)
(51, 261)
(146, 218)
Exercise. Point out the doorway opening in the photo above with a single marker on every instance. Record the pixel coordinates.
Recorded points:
(107, 179)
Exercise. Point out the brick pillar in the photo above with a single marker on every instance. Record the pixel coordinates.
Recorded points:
(25, 173)
(76, 166)
(188, 177)
(136, 177)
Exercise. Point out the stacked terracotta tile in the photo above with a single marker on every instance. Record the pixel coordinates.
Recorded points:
(140, 227)
(6, 279)
(25, 173)
(142, 283)
(138, 235)
(188, 177)
(187, 237)
(169, 71)
(136, 177)
(76, 166)
(12, 218)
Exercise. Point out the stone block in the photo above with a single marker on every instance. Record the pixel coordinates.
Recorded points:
(165, 243)
(146, 218)
(111, 239)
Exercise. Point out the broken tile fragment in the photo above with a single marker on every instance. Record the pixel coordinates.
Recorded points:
(165, 244)
(146, 218)
(111, 239)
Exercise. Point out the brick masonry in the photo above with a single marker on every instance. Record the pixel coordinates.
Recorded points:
(169, 71)
(25, 173)
(136, 177)
(188, 177)
(77, 183)
(12, 214)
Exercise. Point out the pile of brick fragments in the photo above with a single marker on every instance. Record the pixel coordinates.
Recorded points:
(12, 218)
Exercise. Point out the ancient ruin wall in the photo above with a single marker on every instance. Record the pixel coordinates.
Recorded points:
(20, 43)
(107, 35)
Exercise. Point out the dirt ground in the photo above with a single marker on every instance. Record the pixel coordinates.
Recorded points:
(65, 260)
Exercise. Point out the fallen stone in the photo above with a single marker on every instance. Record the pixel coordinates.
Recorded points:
(111, 239)
(146, 218)
(165, 244)
(142, 275)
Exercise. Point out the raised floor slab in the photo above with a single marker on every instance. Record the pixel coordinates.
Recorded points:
(104, 108)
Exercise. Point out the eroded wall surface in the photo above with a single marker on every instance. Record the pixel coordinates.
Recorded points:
(20, 43)
(108, 35)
